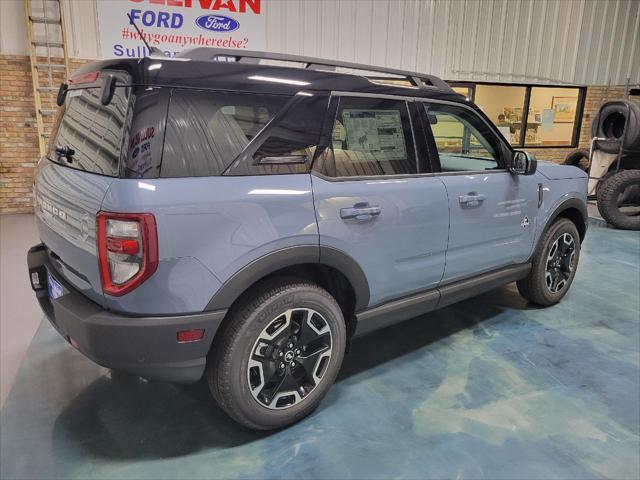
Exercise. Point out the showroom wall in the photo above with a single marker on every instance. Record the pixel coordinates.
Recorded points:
(584, 42)
(550, 41)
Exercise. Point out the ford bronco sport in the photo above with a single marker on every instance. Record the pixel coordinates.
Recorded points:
(212, 215)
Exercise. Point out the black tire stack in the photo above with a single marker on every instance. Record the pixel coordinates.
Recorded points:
(621, 188)
(618, 125)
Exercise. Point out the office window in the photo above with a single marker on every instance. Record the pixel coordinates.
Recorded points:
(553, 113)
(504, 105)
(466, 91)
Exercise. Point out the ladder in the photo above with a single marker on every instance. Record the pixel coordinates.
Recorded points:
(49, 59)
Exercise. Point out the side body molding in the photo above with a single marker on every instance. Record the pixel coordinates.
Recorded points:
(289, 257)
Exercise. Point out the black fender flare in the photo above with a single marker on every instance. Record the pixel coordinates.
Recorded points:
(239, 282)
(570, 203)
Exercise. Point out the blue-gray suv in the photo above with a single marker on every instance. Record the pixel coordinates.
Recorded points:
(211, 215)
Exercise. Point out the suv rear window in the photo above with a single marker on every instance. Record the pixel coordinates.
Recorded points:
(93, 132)
(207, 130)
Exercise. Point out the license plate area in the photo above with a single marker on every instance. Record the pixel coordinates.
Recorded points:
(55, 289)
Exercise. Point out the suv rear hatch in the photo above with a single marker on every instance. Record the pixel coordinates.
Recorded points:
(73, 178)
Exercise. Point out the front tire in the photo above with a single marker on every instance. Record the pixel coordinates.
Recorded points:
(277, 355)
(554, 265)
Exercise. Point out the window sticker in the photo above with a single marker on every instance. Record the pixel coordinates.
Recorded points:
(375, 131)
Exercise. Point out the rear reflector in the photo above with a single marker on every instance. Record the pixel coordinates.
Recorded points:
(119, 245)
(186, 336)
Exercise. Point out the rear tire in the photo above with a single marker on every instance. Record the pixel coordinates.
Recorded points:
(554, 265)
(285, 322)
(621, 187)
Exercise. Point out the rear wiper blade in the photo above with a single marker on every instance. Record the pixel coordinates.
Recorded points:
(65, 151)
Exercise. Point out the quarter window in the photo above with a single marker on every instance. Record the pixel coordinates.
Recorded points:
(206, 131)
(290, 141)
(370, 137)
(463, 141)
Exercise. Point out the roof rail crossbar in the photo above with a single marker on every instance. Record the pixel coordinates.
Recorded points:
(420, 80)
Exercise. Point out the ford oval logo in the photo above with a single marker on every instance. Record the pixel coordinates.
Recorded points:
(217, 23)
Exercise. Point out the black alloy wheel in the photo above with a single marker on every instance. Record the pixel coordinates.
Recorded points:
(560, 262)
(289, 358)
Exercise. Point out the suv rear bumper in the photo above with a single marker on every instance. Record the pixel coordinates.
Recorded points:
(144, 346)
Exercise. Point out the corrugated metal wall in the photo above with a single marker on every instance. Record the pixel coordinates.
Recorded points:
(593, 42)
(542, 41)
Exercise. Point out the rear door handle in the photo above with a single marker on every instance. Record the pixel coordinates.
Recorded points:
(360, 211)
(471, 199)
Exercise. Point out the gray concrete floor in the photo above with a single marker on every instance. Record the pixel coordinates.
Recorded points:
(489, 388)
(20, 313)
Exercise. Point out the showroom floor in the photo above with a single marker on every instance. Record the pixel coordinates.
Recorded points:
(20, 313)
(488, 388)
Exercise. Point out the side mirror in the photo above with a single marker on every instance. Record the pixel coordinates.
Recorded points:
(523, 163)
(108, 89)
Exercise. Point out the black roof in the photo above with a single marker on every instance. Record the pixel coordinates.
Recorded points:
(201, 68)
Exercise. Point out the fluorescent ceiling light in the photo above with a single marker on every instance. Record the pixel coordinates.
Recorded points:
(155, 66)
(278, 80)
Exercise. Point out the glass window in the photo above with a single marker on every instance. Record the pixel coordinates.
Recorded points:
(90, 132)
(466, 91)
(144, 133)
(552, 116)
(206, 131)
(296, 136)
(370, 137)
(504, 105)
(463, 140)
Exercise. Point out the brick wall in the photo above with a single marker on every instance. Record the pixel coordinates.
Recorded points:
(19, 142)
(18, 131)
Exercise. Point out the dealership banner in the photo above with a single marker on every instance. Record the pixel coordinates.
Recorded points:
(175, 25)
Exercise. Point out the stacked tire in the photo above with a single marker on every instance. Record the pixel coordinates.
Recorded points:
(621, 190)
(610, 123)
(617, 125)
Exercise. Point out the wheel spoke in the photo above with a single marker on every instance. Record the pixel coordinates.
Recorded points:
(310, 327)
(289, 358)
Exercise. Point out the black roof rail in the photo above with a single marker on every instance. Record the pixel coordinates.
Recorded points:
(420, 80)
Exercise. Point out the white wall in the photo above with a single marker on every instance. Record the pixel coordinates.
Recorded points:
(541, 41)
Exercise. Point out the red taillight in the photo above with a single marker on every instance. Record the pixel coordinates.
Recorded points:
(185, 336)
(89, 77)
(127, 250)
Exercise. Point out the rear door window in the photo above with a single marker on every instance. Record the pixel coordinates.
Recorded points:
(206, 130)
(89, 132)
(370, 137)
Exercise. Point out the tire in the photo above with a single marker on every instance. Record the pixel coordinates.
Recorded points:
(243, 371)
(535, 287)
(610, 122)
(578, 158)
(615, 189)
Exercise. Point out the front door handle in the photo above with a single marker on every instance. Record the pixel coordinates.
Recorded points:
(472, 199)
(360, 211)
